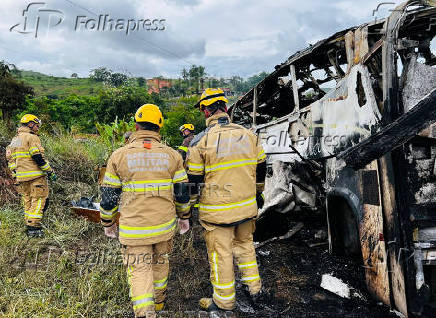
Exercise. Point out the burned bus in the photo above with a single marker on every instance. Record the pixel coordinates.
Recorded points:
(357, 111)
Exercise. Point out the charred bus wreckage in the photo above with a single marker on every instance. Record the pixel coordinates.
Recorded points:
(348, 126)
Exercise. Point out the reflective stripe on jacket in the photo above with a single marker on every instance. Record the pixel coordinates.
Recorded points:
(227, 155)
(145, 170)
(183, 148)
(19, 155)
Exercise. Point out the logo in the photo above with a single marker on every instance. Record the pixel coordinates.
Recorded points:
(36, 17)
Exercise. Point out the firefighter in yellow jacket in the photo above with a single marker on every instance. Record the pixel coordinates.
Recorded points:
(26, 160)
(187, 132)
(150, 180)
(228, 159)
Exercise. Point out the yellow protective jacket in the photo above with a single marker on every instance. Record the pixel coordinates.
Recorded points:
(227, 155)
(145, 171)
(19, 155)
(183, 148)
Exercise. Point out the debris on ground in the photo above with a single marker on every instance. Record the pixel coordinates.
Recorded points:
(398, 314)
(321, 235)
(292, 275)
(297, 227)
(335, 285)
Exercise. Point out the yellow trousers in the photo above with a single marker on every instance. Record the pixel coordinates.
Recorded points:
(34, 195)
(224, 243)
(147, 272)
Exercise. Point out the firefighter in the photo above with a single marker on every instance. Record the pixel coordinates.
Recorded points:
(151, 181)
(25, 156)
(187, 131)
(228, 159)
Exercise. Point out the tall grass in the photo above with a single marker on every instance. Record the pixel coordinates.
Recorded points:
(75, 159)
(75, 271)
(46, 277)
(5, 134)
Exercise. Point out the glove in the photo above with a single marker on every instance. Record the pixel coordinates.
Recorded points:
(183, 225)
(111, 231)
(260, 199)
(52, 176)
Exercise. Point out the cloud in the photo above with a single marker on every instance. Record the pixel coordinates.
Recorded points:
(236, 37)
(184, 2)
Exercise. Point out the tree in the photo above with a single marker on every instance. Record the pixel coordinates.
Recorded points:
(141, 81)
(245, 86)
(118, 79)
(181, 112)
(196, 75)
(5, 69)
(122, 102)
(13, 93)
(185, 74)
(74, 75)
(235, 80)
(101, 74)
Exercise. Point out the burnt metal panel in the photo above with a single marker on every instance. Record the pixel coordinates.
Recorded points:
(371, 194)
(393, 135)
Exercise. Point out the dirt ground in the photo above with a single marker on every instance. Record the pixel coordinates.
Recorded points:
(291, 273)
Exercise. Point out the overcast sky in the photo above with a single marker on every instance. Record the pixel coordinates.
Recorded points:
(232, 37)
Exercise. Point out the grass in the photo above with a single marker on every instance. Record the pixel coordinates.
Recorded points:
(5, 134)
(75, 160)
(75, 271)
(45, 85)
(57, 276)
(65, 275)
(54, 277)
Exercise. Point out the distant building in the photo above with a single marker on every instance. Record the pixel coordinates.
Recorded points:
(154, 85)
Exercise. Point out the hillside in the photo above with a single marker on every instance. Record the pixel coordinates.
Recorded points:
(45, 85)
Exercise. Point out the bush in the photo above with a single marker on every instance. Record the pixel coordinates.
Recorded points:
(113, 135)
(75, 160)
(182, 112)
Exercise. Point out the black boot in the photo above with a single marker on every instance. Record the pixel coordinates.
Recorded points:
(257, 300)
(33, 231)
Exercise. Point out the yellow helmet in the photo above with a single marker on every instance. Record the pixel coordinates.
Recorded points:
(28, 118)
(186, 126)
(210, 96)
(149, 113)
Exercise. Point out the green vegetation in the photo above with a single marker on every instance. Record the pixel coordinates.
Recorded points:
(75, 271)
(80, 113)
(64, 275)
(13, 92)
(181, 112)
(78, 105)
(191, 81)
(113, 134)
(45, 278)
(60, 87)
